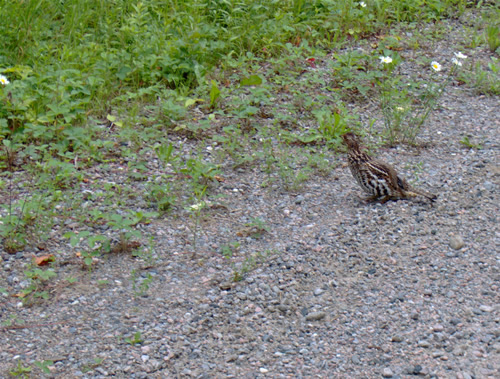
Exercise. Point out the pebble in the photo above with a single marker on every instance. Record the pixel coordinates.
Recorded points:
(437, 328)
(315, 316)
(424, 343)
(387, 373)
(397, 338)
(456, 242)
(486, 308)
(318, 291)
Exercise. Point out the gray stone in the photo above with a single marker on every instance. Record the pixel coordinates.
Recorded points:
(486, 308)
(315, 316)
(397, 338)
(387, 373)
(456, 242)
(424, 343)
(318, 291)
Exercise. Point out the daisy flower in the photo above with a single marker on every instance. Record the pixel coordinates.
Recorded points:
(362, 4)
(459, 55)
(456, 61)
(197, 207)
(385, 59)
(436, 66)
(3, 80)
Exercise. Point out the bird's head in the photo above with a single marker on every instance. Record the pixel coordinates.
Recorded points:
(351, 140)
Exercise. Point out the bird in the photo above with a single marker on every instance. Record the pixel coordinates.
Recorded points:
(378, 179)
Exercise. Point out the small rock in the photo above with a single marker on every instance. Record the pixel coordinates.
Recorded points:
(397, 338)
(282, 307)
(318, 291)
(315, 316)
(387, 373)
(424, 343)
(263, 370)
(489, 186)
(437, 354)
(417, 369)
(456, 242)
(437, 328)
(477, 311)
(486, 308)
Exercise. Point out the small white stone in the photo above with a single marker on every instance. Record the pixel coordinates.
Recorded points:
(263, 370)
(387, 373)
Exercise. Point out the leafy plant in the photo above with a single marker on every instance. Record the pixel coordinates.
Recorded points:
(136, 339)
(492, 35)
(249, 264)
(20, 370)
(468, 143)
(143, 287)
(228, 250)
(214, 94)
(484, 81)
(406, 106)
(257, 226)
(38, 280)
(44, 366)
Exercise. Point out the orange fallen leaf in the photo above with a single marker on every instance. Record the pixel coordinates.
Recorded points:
(44, 259)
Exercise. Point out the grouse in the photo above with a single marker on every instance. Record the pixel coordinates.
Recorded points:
(377, 178)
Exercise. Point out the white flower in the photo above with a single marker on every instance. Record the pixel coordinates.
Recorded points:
(197, 207)
(456, 61)
(385, 59)
(362, 4)
(401, 109)
(459, 55)
(436, 66)
(3, 80)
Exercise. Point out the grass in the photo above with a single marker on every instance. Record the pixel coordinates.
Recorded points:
(91, 87)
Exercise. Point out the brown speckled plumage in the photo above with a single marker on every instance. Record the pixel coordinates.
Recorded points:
(377, 178)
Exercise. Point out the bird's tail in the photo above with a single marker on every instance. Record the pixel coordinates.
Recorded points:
(412, 192)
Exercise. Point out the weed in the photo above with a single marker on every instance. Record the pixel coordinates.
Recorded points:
(492, 36)
(44, 366)
(230, 249)
(91, 366)
(21, 371)
(257, 226)
(406, 105)
(249, 264)
(195, 215)
(136, 339)
(38, 281)
(484, 81)
(144, 283)
(468, 143)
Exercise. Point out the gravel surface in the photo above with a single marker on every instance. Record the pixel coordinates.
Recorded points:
(339, 288)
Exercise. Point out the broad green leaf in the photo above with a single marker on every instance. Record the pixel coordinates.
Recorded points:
(252, 80)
